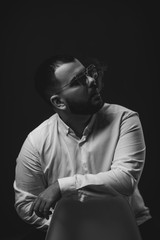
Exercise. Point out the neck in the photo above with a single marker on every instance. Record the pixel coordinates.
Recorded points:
(76, 122)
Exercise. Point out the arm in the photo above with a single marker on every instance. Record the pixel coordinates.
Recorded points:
(29, 185)
(126, 167)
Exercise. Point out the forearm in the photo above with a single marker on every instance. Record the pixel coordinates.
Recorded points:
(113, 181)
(23, 202)
(29, 183)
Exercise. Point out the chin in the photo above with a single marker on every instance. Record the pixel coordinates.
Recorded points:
(96, 108)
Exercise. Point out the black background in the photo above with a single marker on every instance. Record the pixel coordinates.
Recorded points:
(122, 33)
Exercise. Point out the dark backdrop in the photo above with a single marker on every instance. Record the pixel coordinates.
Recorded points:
(122, 33)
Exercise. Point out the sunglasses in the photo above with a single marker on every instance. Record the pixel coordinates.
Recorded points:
(81, 78)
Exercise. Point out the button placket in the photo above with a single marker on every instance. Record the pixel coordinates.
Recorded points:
(84, 159)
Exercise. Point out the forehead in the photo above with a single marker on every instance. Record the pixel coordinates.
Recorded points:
(66, 71)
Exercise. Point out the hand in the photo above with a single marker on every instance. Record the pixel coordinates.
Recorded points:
(45, 200)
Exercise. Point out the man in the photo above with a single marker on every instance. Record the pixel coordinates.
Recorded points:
(86, 145)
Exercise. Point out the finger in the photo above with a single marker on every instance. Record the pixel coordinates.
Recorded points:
(36, 206)
(48, 214)
(40, 209)
(43, 214)
(43, 210)
(39, 214)
(46, 210)
(41, 206)
(53, 204)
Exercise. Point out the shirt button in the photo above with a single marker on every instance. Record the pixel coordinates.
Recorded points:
(85, 166)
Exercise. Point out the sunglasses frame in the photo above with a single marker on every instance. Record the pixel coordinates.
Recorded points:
(76, 78)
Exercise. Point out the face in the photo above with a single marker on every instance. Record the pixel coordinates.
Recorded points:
(80, 99)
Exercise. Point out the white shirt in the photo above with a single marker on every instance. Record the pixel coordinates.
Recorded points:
(108, 159)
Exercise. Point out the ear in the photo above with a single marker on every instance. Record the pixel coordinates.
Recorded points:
(57, 102)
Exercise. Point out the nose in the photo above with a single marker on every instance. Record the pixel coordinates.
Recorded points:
(91, 81)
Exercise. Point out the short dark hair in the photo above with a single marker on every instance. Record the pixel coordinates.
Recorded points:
(45, 80)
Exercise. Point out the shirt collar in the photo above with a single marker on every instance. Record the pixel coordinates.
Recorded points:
(62, 125)
(89, 127)
(67, 130)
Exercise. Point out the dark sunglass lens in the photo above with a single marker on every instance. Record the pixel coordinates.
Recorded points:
(82, 80)
(74, 83)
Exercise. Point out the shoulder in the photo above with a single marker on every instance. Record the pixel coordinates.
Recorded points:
(121, 117)
(45, 126)
(116, 114)
(117, 110)
(45, 130)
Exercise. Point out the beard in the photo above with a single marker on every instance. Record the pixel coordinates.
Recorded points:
(86, 108)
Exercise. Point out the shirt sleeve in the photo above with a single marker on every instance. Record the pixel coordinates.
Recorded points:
(126, 167)
(29, 182)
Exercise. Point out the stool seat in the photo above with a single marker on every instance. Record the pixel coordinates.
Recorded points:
(97, 219)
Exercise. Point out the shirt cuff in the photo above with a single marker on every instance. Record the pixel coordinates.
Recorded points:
(67, 185)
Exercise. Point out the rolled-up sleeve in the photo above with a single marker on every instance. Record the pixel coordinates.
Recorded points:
(29, 182)
(126, 166)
